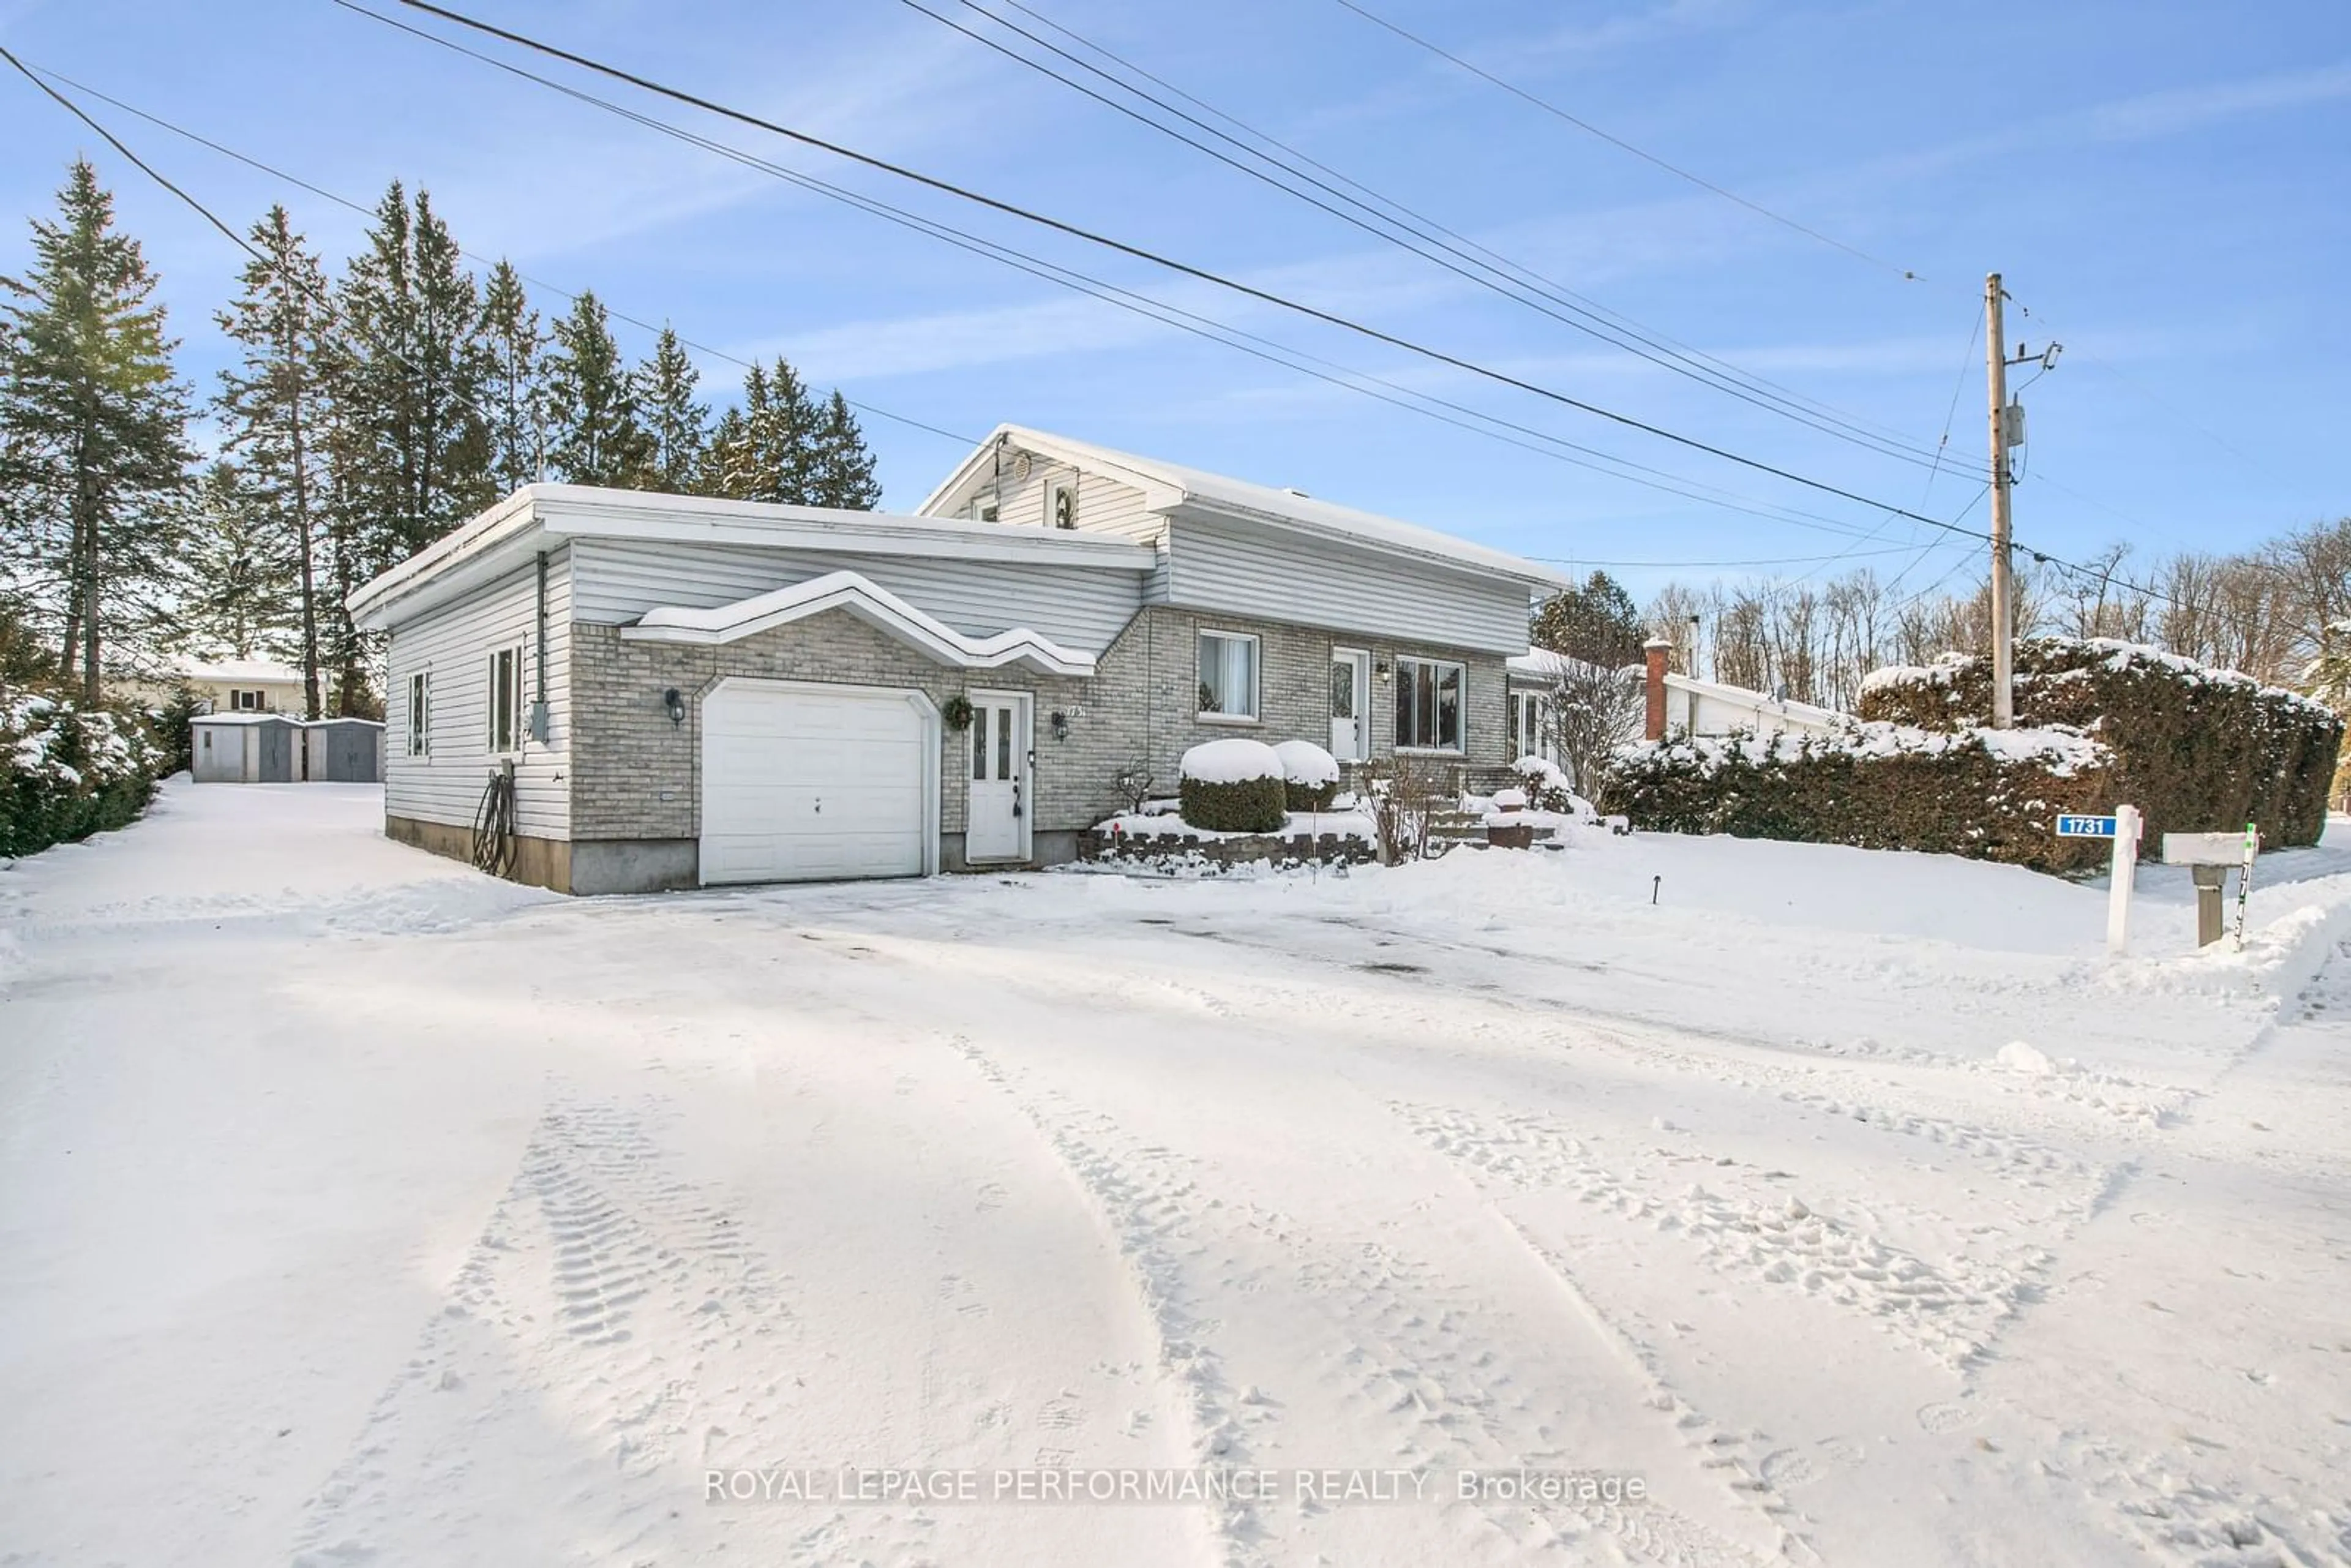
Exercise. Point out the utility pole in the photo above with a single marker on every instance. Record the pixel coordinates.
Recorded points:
(2003, 634)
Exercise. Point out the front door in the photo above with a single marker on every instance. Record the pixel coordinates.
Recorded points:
(1350, 704)
(997, 829)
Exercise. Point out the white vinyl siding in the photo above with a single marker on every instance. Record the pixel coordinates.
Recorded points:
(1228, 676)
(452, 647)
(1104, 506)
(1430, 696)
(1080, 607)
(1277, 574)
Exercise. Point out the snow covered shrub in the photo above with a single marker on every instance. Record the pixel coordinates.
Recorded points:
(66, 772)
(1234, 786)
(1985, 793)
(1545, 787)
(1310, 775)
(2196, 749)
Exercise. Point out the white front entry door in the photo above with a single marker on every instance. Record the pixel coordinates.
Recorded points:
(801, 783)
(998, 828)
(1350, 704)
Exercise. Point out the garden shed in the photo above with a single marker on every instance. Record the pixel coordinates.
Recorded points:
(244, 748)
(342, 751)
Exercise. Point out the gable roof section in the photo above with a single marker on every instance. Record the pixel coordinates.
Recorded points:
(539, 517)
(870, 602)
(1167, 487)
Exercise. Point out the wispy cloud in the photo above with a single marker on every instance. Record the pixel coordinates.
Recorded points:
(2169, 113)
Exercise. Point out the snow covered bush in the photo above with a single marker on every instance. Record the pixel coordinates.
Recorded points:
(1310, 775)
(68, 772)
(1234, 786)
(1985, 793)
(2198, 750)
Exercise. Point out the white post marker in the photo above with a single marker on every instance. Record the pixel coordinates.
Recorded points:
(2118, 897)
(2124, 828)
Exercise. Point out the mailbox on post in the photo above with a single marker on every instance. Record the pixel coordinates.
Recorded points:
(2207, 857)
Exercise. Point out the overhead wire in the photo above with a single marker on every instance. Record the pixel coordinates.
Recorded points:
(1169, 314)
(1507, 280)
(38, 72)
(1181, 268)
(1617, 141)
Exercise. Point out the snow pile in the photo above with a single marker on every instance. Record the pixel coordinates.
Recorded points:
(1547, 789)
(2061, 752)
(1302, 761)
(1234, 761)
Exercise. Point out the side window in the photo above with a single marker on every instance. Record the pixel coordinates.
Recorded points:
(1228, 681)
(420, 715)
(505, 706)
(1061, 506)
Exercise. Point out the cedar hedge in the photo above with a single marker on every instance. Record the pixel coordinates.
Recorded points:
(1987, 795)
(2196, 749)
(1246, 806)
(67, 772)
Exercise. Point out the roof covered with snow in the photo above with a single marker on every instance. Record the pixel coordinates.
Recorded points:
(229, 672)
(1167, 487)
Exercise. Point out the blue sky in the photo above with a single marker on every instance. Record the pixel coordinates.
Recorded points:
(2163, 189)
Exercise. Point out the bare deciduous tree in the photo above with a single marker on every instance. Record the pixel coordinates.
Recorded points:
(1593, 710)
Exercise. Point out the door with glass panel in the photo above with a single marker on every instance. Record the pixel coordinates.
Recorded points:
(1350, 704)
(998, 826)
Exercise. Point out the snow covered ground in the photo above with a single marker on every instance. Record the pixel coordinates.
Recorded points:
(357, 1209)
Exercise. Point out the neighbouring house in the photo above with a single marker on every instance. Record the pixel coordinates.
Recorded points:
(1682, 704)
(689, 691)
(243, 685)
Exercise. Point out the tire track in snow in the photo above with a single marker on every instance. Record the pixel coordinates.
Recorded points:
(600, 1293)
(1143, 1212)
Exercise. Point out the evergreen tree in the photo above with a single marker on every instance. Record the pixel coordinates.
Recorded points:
(413, 381)
(516, 394)
(240, 594)
(739, 467)
(790, 436)
(271, 410)
(1596, 622)
(676, 426)
(93, 426)
(596, 436)
(843, 468)
(725, 443)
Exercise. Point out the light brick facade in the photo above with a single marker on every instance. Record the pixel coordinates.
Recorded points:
(634, 774)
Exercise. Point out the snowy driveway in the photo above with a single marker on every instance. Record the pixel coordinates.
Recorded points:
(354, 1209)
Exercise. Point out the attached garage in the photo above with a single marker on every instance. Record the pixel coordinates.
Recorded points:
(805, 782)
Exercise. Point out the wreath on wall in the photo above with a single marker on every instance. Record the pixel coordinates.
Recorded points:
(957, 712)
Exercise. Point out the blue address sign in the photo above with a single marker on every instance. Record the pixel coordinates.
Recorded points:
(2085, 827)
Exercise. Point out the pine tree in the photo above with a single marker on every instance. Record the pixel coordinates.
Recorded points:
(416, 370)
(240, 592)
(93, 426)
(843, 474)
(740, 466)
(677, 427)
(790, 436)
(1596, 622)
(725, 443)
(596, 436)
(516, 392)
(271, 410)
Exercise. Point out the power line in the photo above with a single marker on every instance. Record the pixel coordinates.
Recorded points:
(36, 73)
(1167, 314)
(1556, 290)
(1507, 280)
(1694, 565)
(1140, 253)
(1614, 140)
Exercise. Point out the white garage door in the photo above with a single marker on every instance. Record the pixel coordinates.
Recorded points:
(800, 785)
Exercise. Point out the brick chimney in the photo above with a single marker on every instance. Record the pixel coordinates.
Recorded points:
(1655, 651)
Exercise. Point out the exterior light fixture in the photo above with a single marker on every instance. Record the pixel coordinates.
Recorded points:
(676, 705)
(1060, 722)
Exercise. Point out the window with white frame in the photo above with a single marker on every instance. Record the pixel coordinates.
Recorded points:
(1528, 711)
(1228, 675)
(420, 715)
(505, 706)
(244, 702)
(1061, 506)
(983, 507)
(1428, 705)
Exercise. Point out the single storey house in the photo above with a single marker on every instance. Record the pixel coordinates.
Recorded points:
(243, 685)
(687, 691)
